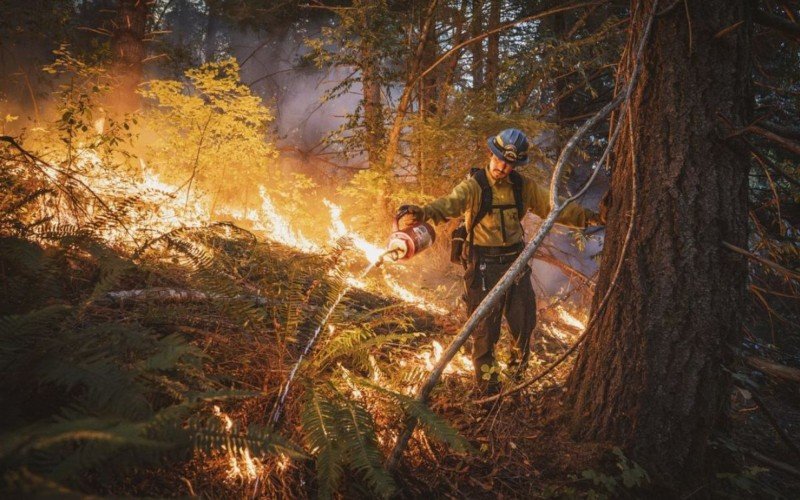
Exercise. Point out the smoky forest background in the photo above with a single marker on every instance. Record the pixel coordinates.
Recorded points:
(195, 193)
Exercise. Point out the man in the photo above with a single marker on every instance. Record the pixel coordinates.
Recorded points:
(493, 242)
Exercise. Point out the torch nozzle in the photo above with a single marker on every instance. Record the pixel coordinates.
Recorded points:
(393, 254)
(396, 251)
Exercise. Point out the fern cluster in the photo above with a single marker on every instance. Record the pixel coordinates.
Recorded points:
(95, 393)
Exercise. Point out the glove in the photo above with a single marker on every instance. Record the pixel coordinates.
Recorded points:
(409, 216)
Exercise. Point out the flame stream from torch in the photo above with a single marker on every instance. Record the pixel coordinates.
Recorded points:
(277, 411)
(515, 270)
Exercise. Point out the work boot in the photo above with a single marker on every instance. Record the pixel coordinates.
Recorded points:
(488, 388)
(516, 370)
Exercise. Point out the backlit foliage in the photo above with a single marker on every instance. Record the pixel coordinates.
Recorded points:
(210, 132)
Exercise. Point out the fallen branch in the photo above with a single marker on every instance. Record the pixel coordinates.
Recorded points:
(564, 267)
(783, 25)
(494, 295)
(776, 370)
(773, 265)
(775, 463)
(787, 144)
(787, 132)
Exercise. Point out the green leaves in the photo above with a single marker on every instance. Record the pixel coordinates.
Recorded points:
(342, 433)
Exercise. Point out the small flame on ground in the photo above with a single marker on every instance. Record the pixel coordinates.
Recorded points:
(569, 319)
(241, 465)
(408, 296)
(460, 364)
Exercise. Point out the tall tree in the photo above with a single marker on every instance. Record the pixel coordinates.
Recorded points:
(128, 46)
(651, 374)
(493, 49)
(371, 81)
(212, 29)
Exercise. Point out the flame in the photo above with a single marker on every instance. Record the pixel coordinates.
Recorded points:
(166, 208)
(339, 230)
(460, 364)
(241, 465)
(408, 296)
(278, 228)
(569, 319)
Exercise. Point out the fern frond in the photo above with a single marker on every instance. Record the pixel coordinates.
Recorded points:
(212, 434)
(363, 455)
(321, 433)
(434, 425)
(356, 343)
(19, 333)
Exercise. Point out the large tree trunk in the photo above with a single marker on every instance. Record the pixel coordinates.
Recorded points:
(129, 49)
(373, 105)
(493, 49)
(476, 48)
(650, 376)
(212, 29)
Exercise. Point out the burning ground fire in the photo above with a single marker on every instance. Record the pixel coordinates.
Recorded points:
(167, 211)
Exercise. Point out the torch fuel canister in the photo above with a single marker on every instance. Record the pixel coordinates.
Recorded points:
(410, 241)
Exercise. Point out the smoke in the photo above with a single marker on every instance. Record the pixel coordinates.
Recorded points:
(273, 64)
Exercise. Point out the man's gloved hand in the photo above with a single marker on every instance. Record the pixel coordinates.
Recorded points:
(408, 216)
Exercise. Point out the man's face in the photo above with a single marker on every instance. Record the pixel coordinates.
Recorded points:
(499, 169)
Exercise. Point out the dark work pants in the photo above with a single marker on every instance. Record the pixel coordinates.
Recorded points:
(518, 306)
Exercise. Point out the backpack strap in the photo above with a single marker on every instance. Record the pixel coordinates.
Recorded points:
(517, 183)
(479, 175)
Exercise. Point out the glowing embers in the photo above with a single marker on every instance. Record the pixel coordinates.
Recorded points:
(241, 465)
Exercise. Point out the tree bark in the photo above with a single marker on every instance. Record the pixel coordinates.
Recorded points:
(650, 376)
(393, 142)
(477, 48)
(493, 49)
(212, 28)
(128, 47)
(373, 106)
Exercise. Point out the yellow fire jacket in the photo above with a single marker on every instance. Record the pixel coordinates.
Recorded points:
(465, 199)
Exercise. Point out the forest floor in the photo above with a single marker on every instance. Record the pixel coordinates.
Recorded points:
(521, 448)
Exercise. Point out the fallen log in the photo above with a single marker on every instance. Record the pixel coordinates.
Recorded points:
(173, 296)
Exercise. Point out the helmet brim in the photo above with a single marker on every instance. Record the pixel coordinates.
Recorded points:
(499, 154)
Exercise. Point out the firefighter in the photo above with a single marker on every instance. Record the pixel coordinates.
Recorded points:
(493, 201)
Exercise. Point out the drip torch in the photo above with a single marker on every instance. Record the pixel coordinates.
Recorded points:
(408, 242)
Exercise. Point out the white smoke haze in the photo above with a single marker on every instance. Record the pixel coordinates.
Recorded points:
(272, 63)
